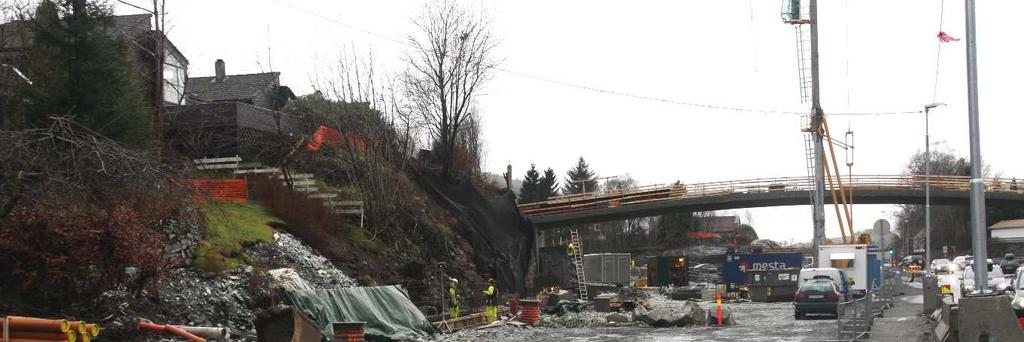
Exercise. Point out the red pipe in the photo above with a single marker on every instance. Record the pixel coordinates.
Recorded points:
(170, 329)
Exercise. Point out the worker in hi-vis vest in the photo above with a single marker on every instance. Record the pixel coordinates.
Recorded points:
(454, 294)
(572, 250)
(491, 301)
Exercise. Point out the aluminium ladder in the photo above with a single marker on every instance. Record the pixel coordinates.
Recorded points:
(577, 260)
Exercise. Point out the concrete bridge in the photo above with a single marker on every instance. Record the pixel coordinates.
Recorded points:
(752, 193)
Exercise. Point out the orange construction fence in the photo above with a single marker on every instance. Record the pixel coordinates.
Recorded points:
(227, 190)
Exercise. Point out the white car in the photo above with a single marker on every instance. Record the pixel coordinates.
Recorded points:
(996, 281)
(941, 266)
(1018, 296)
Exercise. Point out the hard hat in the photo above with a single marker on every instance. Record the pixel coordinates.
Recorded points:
(490, 280)
(455, 281)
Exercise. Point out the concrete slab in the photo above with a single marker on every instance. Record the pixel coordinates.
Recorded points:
(989, 316)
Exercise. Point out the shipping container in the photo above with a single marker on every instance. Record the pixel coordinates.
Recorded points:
(608, 268)
(734, 271)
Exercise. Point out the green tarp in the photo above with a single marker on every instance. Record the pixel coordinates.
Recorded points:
(387, 310)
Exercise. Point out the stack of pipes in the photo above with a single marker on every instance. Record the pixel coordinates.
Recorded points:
(30, 329)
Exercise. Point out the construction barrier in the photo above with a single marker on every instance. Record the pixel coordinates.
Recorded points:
(531, 311)
(348, 331)
(854, 319)
(227, 190)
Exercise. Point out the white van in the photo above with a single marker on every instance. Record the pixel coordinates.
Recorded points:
(837, 276)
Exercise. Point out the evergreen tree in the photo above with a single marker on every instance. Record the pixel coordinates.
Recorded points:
(548, 185)
(531, 183)
(577, 179)
(81, 67)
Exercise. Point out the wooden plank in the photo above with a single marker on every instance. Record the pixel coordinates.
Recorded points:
(234, 159)
(300, 183)
(258, 171)
(348, 211)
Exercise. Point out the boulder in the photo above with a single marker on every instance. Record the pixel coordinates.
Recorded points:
(685, 292)
(617, 318)
(689, 314)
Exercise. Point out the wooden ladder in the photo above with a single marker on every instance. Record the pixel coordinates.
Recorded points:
(577, 260)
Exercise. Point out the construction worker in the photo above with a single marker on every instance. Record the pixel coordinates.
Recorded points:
(572, 250)
(491, 301)
(454, 295)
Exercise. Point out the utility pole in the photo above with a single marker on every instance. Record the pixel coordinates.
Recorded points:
(978, 234)
(816, 119)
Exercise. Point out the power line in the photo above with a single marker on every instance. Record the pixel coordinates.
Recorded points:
(596, 89)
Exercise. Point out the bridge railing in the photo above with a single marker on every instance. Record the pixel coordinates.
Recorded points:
(661, 192)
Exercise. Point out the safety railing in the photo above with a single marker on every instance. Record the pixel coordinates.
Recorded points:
(636, 195)
(854, 319)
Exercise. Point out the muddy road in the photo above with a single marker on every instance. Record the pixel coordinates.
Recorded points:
(754, 322)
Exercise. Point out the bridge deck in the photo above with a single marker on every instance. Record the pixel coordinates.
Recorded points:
(661, 199)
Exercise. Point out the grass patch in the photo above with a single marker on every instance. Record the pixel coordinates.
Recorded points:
(229, 227)
(359, 237)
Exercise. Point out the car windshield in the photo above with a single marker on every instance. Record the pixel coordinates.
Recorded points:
(817, 287)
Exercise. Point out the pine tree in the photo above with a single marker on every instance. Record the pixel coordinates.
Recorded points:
(81, 68)
(578, 180)
(548, 185)
(531, 183)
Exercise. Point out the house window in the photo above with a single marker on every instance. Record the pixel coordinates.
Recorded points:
(174, 79)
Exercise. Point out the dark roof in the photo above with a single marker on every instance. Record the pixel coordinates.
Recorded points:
(233, 87)
(133, 24)
(236, 114)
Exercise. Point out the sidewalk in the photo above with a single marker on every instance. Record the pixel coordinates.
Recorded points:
(904, 321)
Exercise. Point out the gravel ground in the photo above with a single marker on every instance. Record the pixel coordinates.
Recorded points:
(754, 322)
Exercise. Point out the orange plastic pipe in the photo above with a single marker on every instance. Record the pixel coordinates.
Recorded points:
(170, 330)
(39, 335)
(19, 323)
(84, 328)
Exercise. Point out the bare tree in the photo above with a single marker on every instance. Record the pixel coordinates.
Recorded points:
(451, 59)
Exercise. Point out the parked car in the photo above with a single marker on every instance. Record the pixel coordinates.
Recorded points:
(816, 297)
(962, 261)
(1009, 264)
(835, 275)
(1017, 302)
(940, 266)
(996, 281)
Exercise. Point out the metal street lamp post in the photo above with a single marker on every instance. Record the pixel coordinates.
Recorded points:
(978, 234)
(928, 191)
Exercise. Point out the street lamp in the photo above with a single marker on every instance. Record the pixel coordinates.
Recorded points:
(928, 190)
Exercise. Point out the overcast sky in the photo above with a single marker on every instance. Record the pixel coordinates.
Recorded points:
(876, 56)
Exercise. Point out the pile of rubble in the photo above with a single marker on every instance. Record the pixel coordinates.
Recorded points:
(289, 252)
(187, 296)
